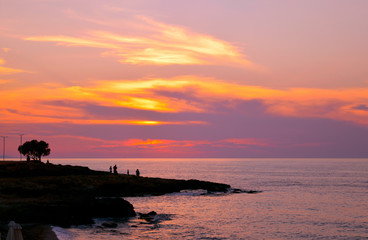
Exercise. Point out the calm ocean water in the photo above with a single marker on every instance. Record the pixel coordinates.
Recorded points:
(301, 199)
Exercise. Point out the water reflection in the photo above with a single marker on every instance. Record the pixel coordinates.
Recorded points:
(301, 199)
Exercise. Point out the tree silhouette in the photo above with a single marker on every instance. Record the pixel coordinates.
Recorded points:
(35, 149)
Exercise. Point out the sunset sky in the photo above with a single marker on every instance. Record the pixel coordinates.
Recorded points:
(195, 78)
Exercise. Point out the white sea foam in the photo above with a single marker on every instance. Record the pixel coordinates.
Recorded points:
(63, 233)
(197, 192)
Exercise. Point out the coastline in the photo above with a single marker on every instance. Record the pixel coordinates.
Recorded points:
(37, 195)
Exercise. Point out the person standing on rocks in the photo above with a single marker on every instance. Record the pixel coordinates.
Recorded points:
(115, 169)
(137, 172)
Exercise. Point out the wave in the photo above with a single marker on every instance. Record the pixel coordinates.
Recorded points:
(203, 192)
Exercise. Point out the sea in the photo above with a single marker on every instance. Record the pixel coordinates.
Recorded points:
(298, 199)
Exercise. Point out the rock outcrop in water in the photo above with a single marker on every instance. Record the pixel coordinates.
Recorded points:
(63, 195)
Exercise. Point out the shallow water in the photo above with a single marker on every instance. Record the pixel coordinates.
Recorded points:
(301, 199)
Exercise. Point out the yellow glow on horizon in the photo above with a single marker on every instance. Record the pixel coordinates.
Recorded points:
(170, 143)
(137, 142)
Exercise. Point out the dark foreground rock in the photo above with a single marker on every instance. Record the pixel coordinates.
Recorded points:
(65, 212)
(66, 195)
(31, 231)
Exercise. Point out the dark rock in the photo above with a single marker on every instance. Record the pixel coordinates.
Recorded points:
(112, 207)
(252, 191)
(66, 212)
(148, 216)
(236, 190)
(109, 224)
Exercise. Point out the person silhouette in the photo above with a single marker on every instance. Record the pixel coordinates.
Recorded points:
(110, 169)
(137, 172)
(115, 169)
(128, 172)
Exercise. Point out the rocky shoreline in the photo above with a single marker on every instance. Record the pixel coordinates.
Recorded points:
(38, 194)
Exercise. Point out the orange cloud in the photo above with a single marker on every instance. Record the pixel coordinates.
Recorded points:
(172, 96)
(140, 142)
(21, 103)
(161, 44)
(162, 143)
(297, 102)
(338, 104)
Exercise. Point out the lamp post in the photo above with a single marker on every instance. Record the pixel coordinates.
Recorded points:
(4, 146)
(21, 143)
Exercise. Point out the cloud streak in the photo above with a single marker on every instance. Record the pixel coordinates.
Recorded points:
(161, 44)
(8, 70)
(167, 145)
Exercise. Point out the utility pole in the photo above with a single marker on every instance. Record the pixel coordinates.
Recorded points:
(21, 143)
(4, 146)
